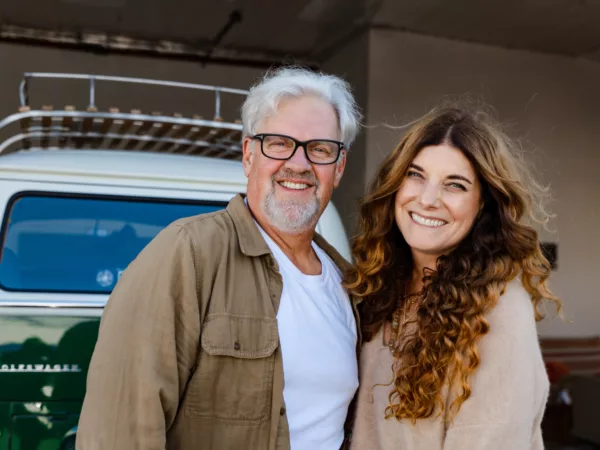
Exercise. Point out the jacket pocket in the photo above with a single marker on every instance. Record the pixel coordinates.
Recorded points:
(234, 377)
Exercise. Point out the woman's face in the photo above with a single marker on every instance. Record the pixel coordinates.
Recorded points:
(438, 201)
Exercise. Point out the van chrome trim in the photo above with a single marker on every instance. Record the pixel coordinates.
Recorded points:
(53, 304)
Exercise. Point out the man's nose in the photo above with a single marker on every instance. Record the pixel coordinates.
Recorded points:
(299, 162)
(430, 195)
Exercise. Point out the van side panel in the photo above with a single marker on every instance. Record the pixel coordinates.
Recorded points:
(44, 361)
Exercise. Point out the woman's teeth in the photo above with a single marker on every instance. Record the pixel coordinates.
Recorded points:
(427, 222)
(290, 185)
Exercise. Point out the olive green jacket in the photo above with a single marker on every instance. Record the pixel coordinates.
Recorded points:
(188, 354)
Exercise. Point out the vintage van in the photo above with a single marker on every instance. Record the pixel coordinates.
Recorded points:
(82, 192)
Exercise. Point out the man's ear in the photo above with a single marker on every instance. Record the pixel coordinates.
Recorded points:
(340, 165)
(247, 155)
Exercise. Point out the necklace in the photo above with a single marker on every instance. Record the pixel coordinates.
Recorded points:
(397, 324)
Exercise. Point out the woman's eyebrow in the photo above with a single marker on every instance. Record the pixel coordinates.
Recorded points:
(459, 177)
(449, 177)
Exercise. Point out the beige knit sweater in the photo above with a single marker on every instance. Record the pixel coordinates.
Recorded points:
(507, 402)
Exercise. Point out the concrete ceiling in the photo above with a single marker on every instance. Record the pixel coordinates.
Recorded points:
(309, 30)
(566, 27)
(275, 29)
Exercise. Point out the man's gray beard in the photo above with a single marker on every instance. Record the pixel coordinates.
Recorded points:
(290, 216)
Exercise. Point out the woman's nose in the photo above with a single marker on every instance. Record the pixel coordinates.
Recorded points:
(430, 195)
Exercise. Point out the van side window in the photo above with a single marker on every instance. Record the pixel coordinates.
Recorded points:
(81, 244)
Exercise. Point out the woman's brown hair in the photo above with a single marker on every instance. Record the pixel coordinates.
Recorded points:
(501, 246)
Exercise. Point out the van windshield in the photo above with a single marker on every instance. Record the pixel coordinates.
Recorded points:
(58, 243)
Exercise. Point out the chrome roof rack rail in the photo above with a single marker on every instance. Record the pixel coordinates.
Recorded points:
(88, 127)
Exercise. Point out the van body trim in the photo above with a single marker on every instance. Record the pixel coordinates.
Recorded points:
(53, 304)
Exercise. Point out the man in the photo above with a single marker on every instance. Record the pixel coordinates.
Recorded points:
(231, 330)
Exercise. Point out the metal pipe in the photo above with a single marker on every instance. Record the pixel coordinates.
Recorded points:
(234, 17)
(23, 91)
(217, 103)
(203, 87)
(92, 93)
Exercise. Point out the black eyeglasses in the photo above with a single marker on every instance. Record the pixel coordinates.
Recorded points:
(282, 147)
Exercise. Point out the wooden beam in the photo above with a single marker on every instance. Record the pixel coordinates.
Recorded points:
(46, 124)
(67, 125)
(134, 125)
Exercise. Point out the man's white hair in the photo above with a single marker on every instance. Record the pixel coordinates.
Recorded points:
(286, 82)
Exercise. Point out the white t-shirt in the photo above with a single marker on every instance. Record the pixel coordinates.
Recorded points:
(317, 333)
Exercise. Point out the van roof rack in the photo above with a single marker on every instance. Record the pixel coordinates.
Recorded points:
(69, 127)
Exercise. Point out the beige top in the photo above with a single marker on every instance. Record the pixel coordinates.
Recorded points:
(509, 391)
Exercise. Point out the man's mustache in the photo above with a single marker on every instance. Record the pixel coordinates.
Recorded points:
(306, 176)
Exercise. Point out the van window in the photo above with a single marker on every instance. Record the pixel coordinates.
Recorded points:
(81, 244)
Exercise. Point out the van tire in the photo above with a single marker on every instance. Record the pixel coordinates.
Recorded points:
(68, 444)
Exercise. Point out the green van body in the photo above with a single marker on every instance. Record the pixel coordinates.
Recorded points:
(43, 365)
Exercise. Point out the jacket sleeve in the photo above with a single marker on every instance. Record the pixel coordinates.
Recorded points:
(146, 349)
(510, 387)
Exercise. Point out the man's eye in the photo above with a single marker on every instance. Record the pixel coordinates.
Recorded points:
(277, 143)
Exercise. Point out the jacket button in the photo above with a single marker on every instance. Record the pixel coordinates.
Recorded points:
(236, 345)
(282, 411)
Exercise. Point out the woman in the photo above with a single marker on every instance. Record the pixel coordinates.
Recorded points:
(451, 275)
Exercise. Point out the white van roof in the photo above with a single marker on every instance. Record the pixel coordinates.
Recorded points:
(115, 164)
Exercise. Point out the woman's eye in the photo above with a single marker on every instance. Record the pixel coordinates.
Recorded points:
(414, 174)
(457, 186)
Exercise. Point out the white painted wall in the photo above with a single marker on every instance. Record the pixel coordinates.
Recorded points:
(554, 101)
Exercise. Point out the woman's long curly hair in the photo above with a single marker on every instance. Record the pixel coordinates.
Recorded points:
(501, 245)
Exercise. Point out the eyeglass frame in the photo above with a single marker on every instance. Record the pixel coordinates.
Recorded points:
(261, 136)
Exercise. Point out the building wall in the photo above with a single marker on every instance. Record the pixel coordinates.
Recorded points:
(351, 63)
(550, 101)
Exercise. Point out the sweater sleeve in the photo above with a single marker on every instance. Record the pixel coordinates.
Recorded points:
(146, 349)
(510, 387)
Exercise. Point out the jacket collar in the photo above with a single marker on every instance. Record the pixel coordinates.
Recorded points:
(249, 237)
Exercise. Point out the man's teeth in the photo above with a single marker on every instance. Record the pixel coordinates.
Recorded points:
(427, 222)
(290, 185)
